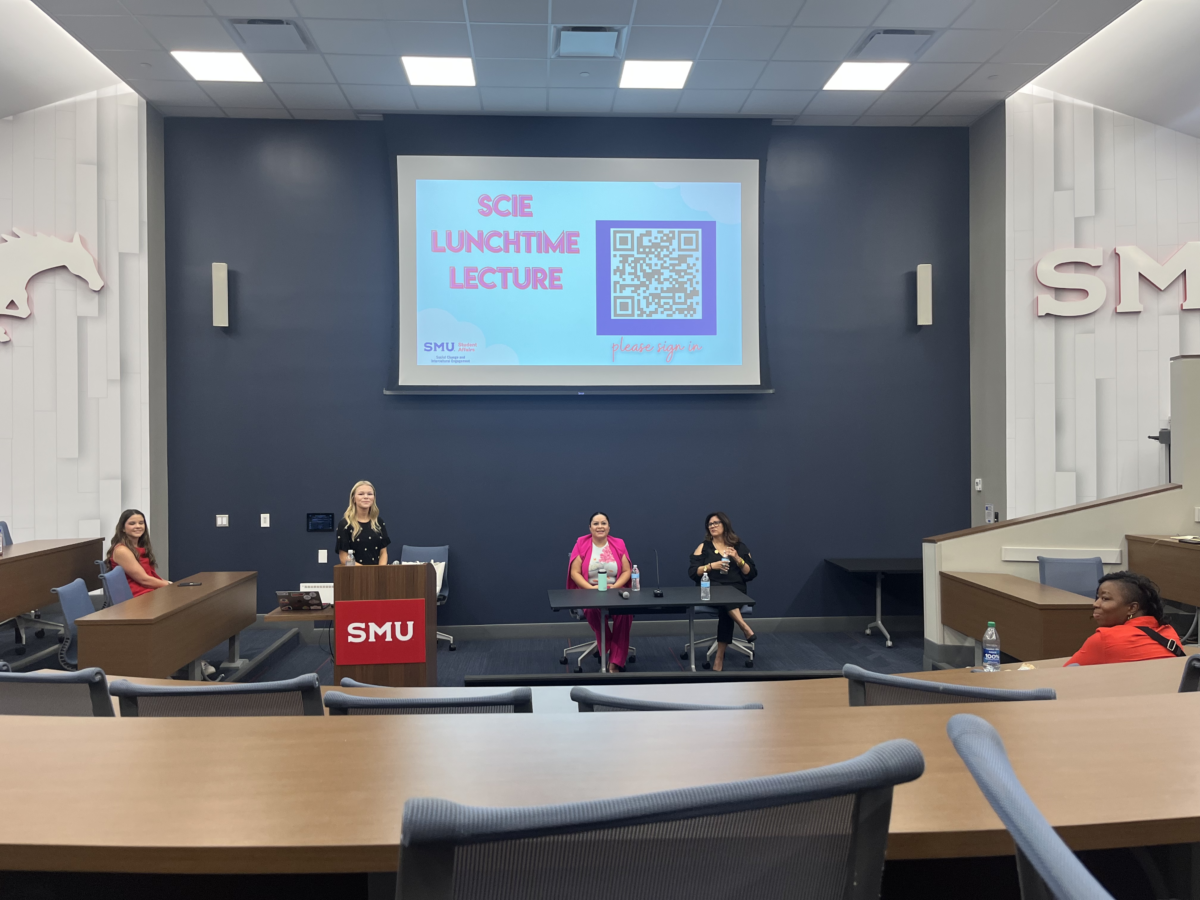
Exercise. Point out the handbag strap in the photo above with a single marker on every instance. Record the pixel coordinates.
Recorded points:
(1159, 639)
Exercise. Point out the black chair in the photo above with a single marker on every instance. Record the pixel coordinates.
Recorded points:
(436, 555)
(874, 689)
(709, 644)
(47, 692)
(517, 700)
(1190, 682)
(300, 696)
(594, 701)
(818, 834)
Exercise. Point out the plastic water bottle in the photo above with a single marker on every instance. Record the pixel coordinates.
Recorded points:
(725, 562)
(991, 649)
(636, 578)
(350, 558)
(705, 593)
(602, 579)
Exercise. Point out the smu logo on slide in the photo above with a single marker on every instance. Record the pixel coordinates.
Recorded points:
(371, 632)
(431, 347)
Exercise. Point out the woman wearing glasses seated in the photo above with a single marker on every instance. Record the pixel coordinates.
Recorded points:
(596, 552)
(1128, 613)
(725, 560)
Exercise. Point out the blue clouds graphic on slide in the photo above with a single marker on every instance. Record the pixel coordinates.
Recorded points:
(722, 201)
(453, 342)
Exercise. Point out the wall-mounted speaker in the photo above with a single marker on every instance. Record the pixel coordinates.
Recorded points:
(220, 280)
(925, 294)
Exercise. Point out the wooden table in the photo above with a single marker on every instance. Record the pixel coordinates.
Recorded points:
(29, 569)
(144, 777)
(1035, 621)
(1173, 566)
(158, 633)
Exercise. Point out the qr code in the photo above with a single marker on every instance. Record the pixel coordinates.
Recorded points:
(656, 273)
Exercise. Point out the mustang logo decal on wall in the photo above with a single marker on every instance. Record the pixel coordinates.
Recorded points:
(23, 256)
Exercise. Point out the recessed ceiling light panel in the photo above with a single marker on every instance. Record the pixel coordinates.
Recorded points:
(441, 71)
(661, 74)
(865, 76)
(204, 65)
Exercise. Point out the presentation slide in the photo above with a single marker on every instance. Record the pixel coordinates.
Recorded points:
(559, 273)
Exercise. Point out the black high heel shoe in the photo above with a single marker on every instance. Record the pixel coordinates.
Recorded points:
(752, 638)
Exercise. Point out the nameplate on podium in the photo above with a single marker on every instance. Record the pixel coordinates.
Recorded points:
(380, 632)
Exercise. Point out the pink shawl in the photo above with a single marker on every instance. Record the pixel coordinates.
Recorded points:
(583, 549)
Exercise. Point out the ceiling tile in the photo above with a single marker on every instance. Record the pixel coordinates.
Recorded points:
(840, 12)
(905, 103)
(403, 10)
(189, 32)
(652, 42)
(446, 98)
(841, 103)
(1014, 14)
(351, 37)
(372, 96)
(167, 7)
(742, 42)
(886, 121)
(156, 64)
(534, 12)
(366, 69)
(296, 68)
(968, 103)
(511, 41)
(82, 7)
(646, 101)
(777, 103)
(323, 114)
(818, 43)
(510, 73)
(714, 102)
(580, 100)
(109, 32)
(250, 112)
(253, 8)
(208, 112)
(796, 76)
(1087, 16)
(416, 38)
(569, 73)
(724, 73)
(311, 96)
(674, 12)
(924, 76)
(996, 77)
(228, 95)
(590, 12)
(966, 45)
(758, 12)
(946, 121)
(826, 120)
(172, 93)
(513, 99)
(1039, 47)
(920, 13)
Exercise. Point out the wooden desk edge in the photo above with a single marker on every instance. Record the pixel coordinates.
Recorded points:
(965, 578)
(105, 616)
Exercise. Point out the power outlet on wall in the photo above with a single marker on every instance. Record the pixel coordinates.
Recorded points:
(222, 521)
(322, 556)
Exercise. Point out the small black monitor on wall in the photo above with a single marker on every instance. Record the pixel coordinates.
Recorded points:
(320, 521)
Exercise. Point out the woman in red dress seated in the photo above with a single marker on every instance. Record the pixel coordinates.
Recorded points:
(130, 549)
(1128, 613)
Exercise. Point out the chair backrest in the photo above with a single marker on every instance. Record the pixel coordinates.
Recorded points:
(1043, 860)
(50, 693)
(1190, 682)
(1079, 576)
(873, 689)
(75, 603)
(116, 586)
(5, 536)
(594, 701)
(518, 700)
(431, 554)
(819, 834)
(300, 696)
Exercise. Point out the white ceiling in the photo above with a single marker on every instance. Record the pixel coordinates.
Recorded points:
(40, 63)
(752, 57)
(1146, 64)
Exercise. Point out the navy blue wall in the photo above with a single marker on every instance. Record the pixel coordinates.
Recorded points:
(862, 450)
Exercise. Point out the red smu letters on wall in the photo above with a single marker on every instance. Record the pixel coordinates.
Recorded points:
(371, 632)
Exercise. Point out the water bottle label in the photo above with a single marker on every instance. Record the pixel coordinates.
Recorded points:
(991, 656)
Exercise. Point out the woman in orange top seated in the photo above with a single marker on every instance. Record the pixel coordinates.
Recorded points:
(130, 549)
(1128, 613)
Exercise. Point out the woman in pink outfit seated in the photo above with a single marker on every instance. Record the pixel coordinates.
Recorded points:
(595, 552)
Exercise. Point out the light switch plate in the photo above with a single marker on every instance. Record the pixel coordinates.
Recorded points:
(322, 556)
(979, 484)
(1198, 513)
(222, 521)
(265, 520)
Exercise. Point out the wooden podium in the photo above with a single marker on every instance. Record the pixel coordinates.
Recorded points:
(352, 583)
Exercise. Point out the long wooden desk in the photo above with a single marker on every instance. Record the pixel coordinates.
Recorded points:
(29, 569)
(1173, 566)
(1035, 621)
(158, 633)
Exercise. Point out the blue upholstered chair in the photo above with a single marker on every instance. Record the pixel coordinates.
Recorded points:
(116, 586)
(1079, 576)
(874, 689)
(50, 693)
(75, 603)
(594, 701)
(300, 696)
(517, 700)
(1045, 864)
(821, 832)
(433, 554)
(5, 535)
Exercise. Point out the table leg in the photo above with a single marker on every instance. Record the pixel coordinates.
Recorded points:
(878, 623)
(603, 645)
(233, 659)
(692, 637)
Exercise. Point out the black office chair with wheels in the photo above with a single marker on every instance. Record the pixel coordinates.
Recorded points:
(709, 645)
(434, 555)
(517, 700)
(1190, 682)
(50, 693)
(594, 701)
(300, 696)
(818, 834)
(873, 689)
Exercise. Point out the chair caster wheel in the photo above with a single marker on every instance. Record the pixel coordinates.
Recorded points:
(578, 669)
(887, 643)
(40, 633)
(749, 664)
(706, 665)
(562, 660)
(683, 655)
(632, 659)
(20, 651)
(452, 647)
(868, 631)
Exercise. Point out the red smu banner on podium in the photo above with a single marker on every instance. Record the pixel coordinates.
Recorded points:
(371, 632)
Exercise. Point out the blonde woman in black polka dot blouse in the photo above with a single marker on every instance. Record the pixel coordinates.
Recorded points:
(361, 529)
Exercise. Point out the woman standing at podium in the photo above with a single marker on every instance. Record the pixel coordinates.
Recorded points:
(726, 560)
(596, 552)
(361, 530)
(130, 549)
